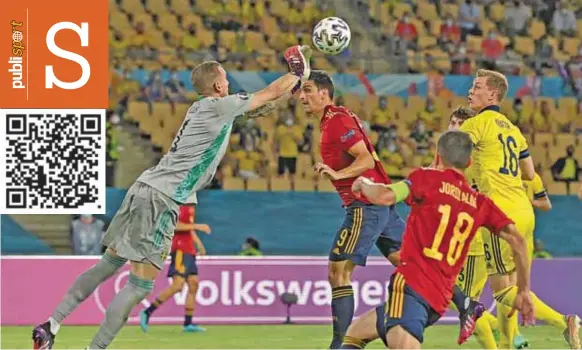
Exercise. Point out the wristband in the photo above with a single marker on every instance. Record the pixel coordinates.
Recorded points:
(400, 189)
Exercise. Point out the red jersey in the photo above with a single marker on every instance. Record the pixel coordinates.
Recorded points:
(340, 130)
(183, 239)
(444, 217)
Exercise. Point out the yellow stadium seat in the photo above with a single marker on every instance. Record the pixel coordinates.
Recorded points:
(487, 25)
(567, 106)
(206, 38)
(571, 46)
(157, 39)
(537, 29)
(400, 8)
(579, 26)
(435, 27)
(181, 6)
(524, 45)
(497, 12)
(158, 139)
(415, 104)
(304, 164)
(194, 19)
(280, 184)
(474, 43)
(255, 40)
(304, 185)
(426, 11)
(269, 24)
(226, 38)
(528, 105)
(257, 185)
(233, 184)
(371, 101)
(541, 138)
(452, 9)
(556, 188)
(564, 140)
(352, 101)
(420, 29)
(426, 41)
(168, 21)
(416, 61)
(325, 186)
(162, 110)
(132, 6)
(118, 20)
(144, 18)
(157, 6)
(137, 111)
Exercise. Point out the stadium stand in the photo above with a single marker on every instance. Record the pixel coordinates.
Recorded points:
(432, 36)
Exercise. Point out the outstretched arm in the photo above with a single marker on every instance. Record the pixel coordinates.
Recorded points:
(363, 161)
(381, 194)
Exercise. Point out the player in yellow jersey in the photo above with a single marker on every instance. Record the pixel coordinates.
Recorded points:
(500, 160)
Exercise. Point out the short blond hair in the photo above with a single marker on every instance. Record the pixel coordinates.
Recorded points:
(495, 81)
(204, 75)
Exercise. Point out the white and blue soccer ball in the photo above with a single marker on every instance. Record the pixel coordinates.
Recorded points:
(331, 35)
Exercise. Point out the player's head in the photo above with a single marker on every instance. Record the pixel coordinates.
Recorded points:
(317, 92)
(209, 79)
(454, 150)
(489, 88)
(458, 117)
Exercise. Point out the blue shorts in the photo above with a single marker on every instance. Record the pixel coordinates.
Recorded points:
(408, 309)
(183, 264)
(364, 226)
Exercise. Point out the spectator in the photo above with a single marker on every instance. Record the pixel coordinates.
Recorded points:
(190, 41)
(518, 117)
(450, 34)
(155, 88)
(460, 62)
(517, 18)
(251, 247)
(406, 32)
(86, 233)
(543, 55)
(430, 116)
(564, 20)
(250, 135)
(492, 49)
(112, 148)
(249, 163)
(573, 73)
(140, 40)
(469, 17)
(287, 139)
(566, 169)
(118, 46)
(510, 61)
(382, 116)
(539, 251)
(541, 118)
(306, 145)
(175, 90)
(421, 138)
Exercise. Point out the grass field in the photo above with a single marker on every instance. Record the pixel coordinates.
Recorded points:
(248, 337)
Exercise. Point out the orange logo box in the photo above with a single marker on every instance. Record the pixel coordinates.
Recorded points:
(54, 54)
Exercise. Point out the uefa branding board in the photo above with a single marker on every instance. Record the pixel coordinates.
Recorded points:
(55, 56)
(239, 290)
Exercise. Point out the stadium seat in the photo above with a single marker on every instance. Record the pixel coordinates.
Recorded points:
(556, 188)
(192, 19)
(233, 184)
(452, 9)
(542, 138)
(280, 184)
(255, 41)
(146, 19)
(132, 6)
(157, 6)
(487, 25)
(257, 185)
(399, 8)
(304, 185)
(497, 12)
(227, 38)
(571, 45)
(181, 6)
(426, 11)
(325, 186)
(579, 26)
(537, 29)
(137, 111)
(564, 140)
(168, 21)
(435, 27)
(474, 43)
(427, 41)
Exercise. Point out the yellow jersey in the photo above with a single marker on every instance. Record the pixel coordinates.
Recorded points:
(535, 188)
(499, 146)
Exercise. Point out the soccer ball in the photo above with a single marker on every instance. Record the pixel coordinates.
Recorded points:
(331, 35)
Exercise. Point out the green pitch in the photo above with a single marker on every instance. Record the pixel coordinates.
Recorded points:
(248, 337)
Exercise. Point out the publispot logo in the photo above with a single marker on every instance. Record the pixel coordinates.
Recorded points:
(58, 54)
(17, 53)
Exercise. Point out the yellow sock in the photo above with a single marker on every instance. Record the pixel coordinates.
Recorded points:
(542, 311)
(507, 325)
(492, 320)
(484, 334)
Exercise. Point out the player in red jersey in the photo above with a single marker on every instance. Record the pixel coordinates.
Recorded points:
(183, 268)
(445, 215)
(347, 153)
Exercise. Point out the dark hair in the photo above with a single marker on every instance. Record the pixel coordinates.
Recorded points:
(323, 81)
(253, 243)
(455, 148)
(462, 113)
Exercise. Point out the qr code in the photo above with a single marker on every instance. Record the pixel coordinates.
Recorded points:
(54, 161)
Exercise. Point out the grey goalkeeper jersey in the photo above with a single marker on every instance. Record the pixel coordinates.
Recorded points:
(198, 148)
